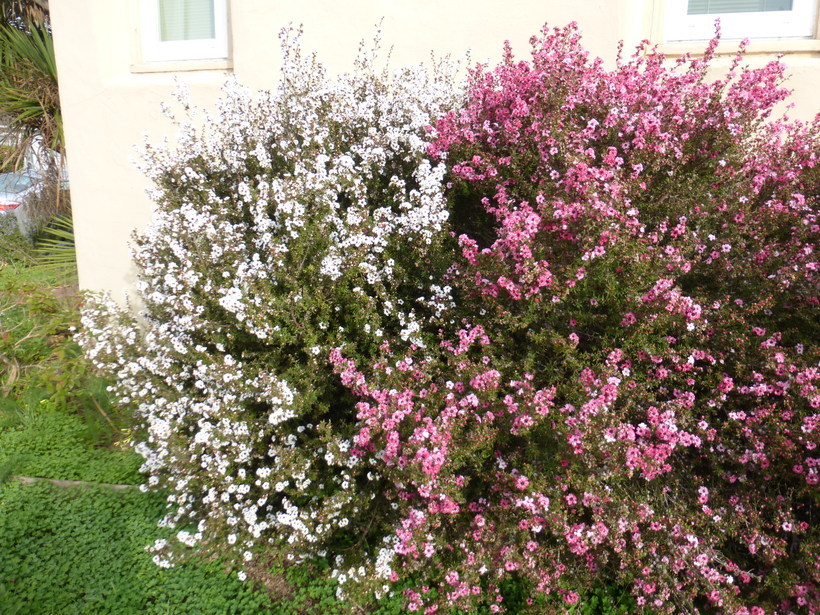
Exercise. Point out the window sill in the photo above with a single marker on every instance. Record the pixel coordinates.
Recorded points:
(770, 46)
(181, 66)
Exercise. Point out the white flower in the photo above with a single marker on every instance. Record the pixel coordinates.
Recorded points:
(256, 198)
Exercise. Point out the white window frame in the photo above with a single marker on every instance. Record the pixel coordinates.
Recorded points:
(799, 22)
(154, 49)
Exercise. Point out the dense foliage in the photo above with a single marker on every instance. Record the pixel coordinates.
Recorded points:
(634, 394)
(588, 361)
(81, 551)
(29, 95)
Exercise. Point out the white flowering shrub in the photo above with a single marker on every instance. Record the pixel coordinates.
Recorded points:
(290, 224)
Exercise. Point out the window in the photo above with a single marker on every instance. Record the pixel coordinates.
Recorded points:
(688, 20)
(184, 30)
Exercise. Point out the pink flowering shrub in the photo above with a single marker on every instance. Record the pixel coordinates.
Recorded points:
(633, 394)
(605, 374)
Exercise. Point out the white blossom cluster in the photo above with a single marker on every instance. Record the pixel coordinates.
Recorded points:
(340, 163)
(283, 226)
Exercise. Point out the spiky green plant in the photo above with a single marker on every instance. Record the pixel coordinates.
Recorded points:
(55, 247)
(29, 96)
(30, 108)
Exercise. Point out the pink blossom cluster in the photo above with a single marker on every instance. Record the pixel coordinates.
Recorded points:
(631, 396)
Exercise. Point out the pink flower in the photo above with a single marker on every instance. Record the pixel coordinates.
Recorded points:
(571, 597)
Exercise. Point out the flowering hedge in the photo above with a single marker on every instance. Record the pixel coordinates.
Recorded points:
(609, 377)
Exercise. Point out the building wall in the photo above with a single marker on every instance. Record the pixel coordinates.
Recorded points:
(109, 99)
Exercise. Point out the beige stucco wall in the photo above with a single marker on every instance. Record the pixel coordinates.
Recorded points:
(109, 99)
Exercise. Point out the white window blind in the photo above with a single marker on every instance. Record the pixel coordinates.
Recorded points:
(184, 30)
(186, 20)
(703, 7)
(694, 20)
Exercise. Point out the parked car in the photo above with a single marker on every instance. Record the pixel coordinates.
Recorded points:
(14, 187)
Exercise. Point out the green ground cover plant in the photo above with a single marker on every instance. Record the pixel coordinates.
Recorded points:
(80, 551)
(43, 440)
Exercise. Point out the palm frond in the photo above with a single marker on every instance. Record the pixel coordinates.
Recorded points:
(34, 44)
(55, 248)
(29, 96)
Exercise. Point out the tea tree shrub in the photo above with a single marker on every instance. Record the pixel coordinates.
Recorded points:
(633, 396)
(294, 222)
(577, 357)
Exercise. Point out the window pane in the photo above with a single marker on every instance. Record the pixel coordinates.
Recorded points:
(186, 20)
(701, 7)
